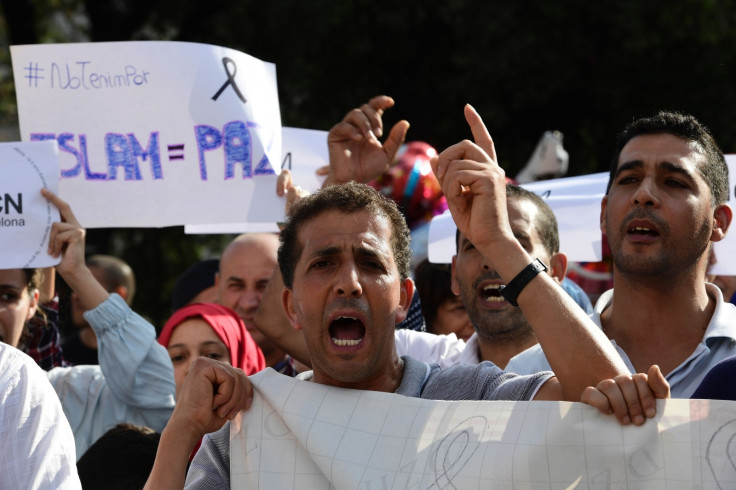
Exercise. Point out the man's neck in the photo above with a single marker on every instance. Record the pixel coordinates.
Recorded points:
(387, 380)
(500, 353)
(658, 322)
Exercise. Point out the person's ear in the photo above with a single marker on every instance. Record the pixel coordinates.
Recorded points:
(454, 285)
(604, 203)
(287, 300)
(722, 217)
(407, 293)
(558, 266)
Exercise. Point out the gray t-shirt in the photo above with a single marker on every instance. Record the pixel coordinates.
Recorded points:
(210, 468)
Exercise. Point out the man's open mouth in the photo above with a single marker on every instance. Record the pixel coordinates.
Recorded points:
(491, 294)
(347, 331)
(642, 231)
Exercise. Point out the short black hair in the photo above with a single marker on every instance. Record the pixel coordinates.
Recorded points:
(546, 222)
(121, 459)
(688, 128)
(193, 281)
(346, 198)
(434, 288)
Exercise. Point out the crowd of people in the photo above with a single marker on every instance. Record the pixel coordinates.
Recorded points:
(340, 297)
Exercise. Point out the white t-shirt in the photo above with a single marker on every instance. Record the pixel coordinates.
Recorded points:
(445, 350)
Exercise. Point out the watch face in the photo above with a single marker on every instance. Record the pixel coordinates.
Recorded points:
(539, 265)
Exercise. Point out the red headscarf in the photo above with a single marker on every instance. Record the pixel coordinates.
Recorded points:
(244, 352)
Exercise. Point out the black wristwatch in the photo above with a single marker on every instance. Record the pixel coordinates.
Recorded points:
(512, 290)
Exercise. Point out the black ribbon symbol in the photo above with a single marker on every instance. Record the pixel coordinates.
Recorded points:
(230, 80)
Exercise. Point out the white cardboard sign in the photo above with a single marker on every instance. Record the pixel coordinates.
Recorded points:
(153, 133)
(303, 152)
(299, 434)
(25, 215)
(576, 203)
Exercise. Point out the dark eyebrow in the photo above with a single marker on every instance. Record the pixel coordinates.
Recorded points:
(671, 167)
(361, 251)
(368, 252)
(326, 252)
(634, 164)
(668, 166)
(206, 343)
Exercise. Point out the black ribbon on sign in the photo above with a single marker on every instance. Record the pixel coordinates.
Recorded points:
(230, 79)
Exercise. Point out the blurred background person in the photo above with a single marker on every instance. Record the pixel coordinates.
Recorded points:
(115, 276)
(444, 312)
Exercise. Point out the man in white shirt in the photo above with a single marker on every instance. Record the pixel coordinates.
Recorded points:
(36, 442)
(664, 207)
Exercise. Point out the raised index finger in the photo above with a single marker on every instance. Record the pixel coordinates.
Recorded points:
(480, 134)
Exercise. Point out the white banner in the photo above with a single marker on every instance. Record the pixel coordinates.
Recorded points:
(576, 202)
(25, 215)
(301, 435)
(154, 133)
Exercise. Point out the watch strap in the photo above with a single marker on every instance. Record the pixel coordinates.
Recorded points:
(512, 290)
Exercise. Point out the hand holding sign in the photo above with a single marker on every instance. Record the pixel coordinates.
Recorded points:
(630, 397)
(67, 241)
(25, 216)
(285, 186)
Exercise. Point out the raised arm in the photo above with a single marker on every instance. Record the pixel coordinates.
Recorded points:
(356, 153)
(213, 393)
(135, 380)
(67, 240)
(475, 189)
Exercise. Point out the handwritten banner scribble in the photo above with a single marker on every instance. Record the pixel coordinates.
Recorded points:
(359, 439)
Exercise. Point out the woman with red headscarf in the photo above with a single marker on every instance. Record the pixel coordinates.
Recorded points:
(209, 330)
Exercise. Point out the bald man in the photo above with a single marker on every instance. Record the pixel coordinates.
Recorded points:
(246, 265)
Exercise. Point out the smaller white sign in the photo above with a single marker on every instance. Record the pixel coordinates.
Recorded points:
(576, 202)
(25, 215)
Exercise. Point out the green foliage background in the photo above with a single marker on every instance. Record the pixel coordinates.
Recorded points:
(583, 68)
